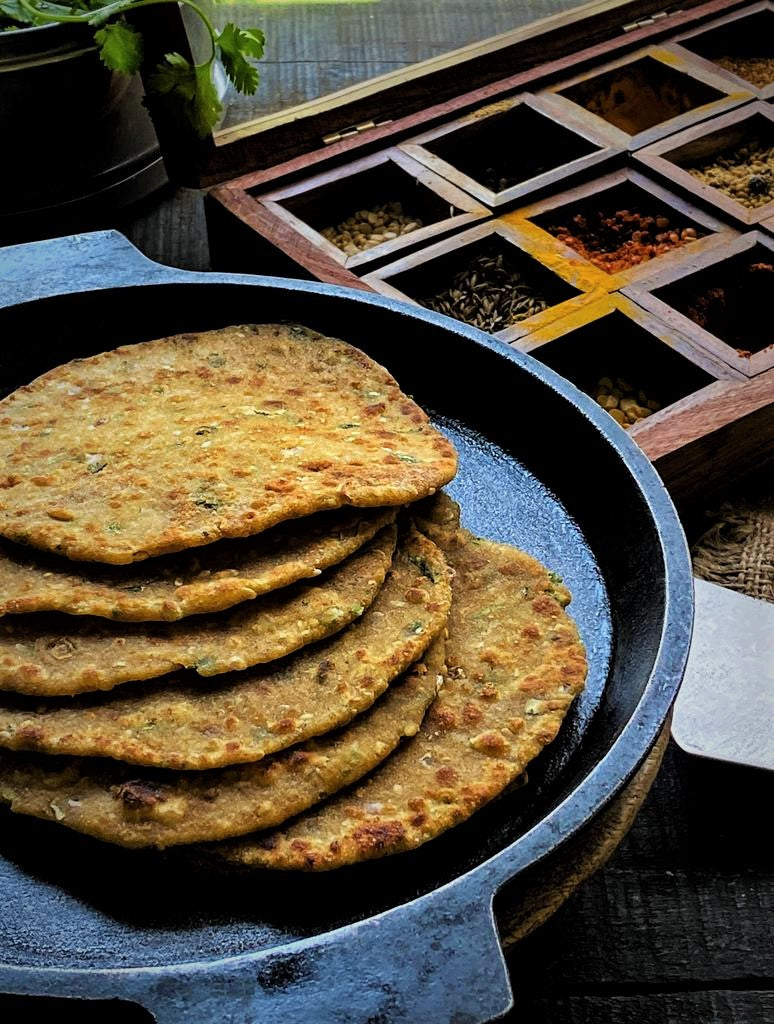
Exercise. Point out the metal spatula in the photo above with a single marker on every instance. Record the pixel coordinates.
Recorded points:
(725, 706)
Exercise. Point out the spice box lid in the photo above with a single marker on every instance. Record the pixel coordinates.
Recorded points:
(399, 103)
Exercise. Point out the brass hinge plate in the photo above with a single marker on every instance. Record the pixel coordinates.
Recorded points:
(353, 129)
(658, 16)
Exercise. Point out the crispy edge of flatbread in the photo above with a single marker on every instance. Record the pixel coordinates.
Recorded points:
(185, 723)
(194, 582)
(88, 448)
(54, 655)
(511, 679)
(118, 804)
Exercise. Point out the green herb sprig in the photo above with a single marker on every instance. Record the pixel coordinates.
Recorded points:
(187, 86)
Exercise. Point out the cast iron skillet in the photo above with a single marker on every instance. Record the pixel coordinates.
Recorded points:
(412, 937)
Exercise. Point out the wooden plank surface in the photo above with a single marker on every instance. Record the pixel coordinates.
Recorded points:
(313, 49)
(660, 1008)
(407, 101)
(676, 927)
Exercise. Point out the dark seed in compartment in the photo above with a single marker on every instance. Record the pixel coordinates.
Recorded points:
(489, 295)
(737, 310)
(745, 173)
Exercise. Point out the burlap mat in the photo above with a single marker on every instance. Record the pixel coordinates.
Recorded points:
(737, 548)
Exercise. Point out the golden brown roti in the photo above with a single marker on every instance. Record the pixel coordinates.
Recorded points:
(515, 663)
(175, 443)
(207, 579)
(135, 807)
(188, 723)
(56, 655)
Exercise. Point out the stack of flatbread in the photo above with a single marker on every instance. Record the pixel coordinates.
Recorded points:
(236, 608)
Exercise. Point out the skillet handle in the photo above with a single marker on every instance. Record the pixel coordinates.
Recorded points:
(437, 960)
(75, 263)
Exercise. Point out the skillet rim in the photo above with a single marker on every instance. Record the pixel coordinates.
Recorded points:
(622, 758)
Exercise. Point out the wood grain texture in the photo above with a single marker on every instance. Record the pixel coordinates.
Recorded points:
(327, 47)
(663, 1007)
(675, 922)
(281, 148)
(169, 228)
(702, 470)
(702, 414)
(282, 237)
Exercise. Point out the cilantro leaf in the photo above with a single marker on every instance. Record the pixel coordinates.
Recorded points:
(236, 44)
(190, 87)
(120, 47)
(14, 10)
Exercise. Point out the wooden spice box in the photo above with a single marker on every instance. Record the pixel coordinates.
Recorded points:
(622, 190)
(745, 34)
(714, 422)
(329, 198)
(565, 285)
(485, 154)
(716, 419)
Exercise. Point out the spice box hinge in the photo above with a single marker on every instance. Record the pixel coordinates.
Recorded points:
(354, 129)
(651, 20)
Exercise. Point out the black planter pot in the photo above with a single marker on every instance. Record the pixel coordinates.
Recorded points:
(78, 143)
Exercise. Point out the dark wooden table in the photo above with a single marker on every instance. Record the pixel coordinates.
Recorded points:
(678, 927)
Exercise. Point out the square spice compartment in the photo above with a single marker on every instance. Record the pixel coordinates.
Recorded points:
(372, 208)
(483, 277)
(740, 46)
(623, 359)
(728, 161)
(711, 416)
(645, 96)
(622, 226)
(722, 302)
(510, 149)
